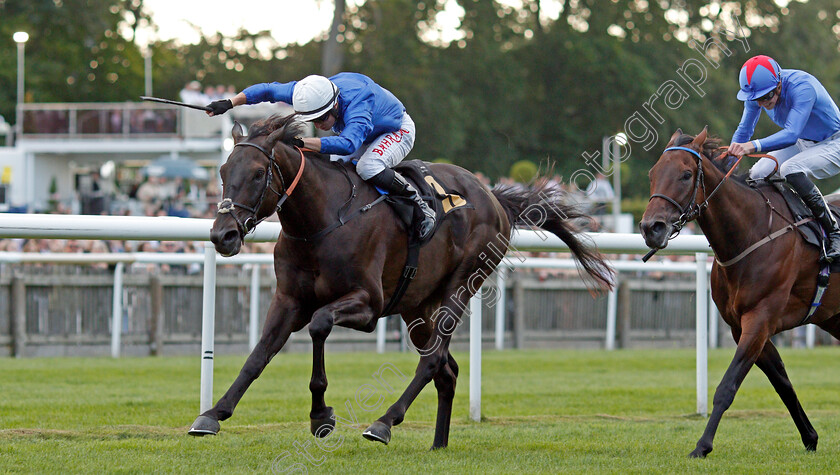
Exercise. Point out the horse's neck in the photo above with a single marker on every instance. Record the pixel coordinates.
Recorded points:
(735, 216)
(314, 200)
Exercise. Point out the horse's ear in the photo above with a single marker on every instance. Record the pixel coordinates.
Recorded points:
(674, 137)
(272, 139)
(701, 138)
(236, 132)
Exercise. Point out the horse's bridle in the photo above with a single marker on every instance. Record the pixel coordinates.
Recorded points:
(692, 210)
(250, 223)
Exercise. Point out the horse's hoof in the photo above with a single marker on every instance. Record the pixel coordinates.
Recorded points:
(699, 453)
(378, 432)
(204, 425)
(323, 426)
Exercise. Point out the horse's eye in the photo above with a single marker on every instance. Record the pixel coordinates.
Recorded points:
(259, 175)
(686, 175)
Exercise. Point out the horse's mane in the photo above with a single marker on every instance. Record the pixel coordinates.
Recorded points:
(712, 151)
(291, 127)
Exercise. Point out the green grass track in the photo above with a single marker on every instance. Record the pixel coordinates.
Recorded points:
(544, 412)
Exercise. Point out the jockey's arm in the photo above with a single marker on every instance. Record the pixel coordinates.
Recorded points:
(312, 143)
(238, 99)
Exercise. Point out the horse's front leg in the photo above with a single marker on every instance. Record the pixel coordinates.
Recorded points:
(753, 337)
(284, 317)
(352, 311)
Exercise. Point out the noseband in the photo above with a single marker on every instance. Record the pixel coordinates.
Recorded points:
(250, 223)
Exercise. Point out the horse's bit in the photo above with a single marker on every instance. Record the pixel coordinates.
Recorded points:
(250, 223)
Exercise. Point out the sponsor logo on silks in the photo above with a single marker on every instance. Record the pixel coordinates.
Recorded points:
(388, 140)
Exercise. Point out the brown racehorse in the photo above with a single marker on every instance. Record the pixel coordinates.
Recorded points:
(766, 292)
(345, 276)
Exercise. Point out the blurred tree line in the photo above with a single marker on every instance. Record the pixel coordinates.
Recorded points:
(518, 81)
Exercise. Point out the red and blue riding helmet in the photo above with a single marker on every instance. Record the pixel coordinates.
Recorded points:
(759, 75)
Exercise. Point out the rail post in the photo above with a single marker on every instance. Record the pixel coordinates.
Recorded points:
(475, 356)
(116, 310)
(208, 327)
(156, 315)
(18, 309)
(702, 332)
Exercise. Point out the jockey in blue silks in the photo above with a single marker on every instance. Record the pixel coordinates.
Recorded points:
(372, 126)
(807, 147)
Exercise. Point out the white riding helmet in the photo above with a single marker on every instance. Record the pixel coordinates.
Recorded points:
(313, 97)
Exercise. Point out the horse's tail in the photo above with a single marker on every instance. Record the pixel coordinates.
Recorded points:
(546, 207)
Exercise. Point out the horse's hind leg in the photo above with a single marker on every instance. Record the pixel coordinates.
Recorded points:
(283, 318)
(434, 357)
(351, 310)
(771, 363)
(750, 344)
(445, 380)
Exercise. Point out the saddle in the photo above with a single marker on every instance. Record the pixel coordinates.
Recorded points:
(811, 231)
(443, 200)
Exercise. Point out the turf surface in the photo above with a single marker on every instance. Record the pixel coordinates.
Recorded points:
(544, 411)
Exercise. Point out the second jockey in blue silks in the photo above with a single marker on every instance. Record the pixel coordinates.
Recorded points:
(372, 126)
(807, 147)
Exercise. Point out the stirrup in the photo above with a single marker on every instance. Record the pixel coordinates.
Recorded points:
(829, 257)
(425, 227)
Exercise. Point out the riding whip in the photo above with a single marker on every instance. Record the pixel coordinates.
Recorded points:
(176, 103)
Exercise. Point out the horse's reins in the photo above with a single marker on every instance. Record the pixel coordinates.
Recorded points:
(693, 210)
(250, 223)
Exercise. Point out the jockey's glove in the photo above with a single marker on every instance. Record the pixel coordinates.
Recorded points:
(220, 107)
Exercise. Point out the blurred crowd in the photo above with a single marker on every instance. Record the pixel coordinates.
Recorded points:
(193, 93)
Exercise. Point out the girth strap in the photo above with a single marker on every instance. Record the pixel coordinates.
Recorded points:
(342, 220)
(408, 274)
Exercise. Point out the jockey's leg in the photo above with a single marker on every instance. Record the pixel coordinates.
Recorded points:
(395, 184)
(817, 160)
(764, 166)
(812, 197)
(385, 152)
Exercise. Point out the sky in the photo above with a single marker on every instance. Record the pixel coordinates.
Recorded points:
(291, 21)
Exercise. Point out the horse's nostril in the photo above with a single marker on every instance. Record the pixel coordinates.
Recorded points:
(230, 236)
(657, 227)
(652, 229)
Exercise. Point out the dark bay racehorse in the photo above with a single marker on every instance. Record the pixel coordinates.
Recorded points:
(345, 277)
(767, 291)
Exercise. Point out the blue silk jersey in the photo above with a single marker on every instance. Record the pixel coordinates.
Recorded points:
(366, 110)
(804, 110)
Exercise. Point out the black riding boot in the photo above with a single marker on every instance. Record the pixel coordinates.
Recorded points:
(816, 203)
(395, 184)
